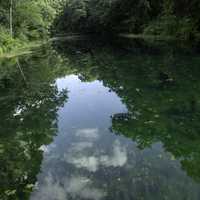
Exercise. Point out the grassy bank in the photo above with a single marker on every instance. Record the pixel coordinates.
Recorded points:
(25, 23)
(28, 47)
(147, 37)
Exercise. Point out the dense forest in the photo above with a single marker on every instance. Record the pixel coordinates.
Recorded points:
(25, 21)
(128, 74)
(173, 18)
(160, 111)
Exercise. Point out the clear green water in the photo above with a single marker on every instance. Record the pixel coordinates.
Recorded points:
(62, 136)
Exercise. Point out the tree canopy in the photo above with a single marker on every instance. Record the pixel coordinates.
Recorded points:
(160, 110)
(179, 19)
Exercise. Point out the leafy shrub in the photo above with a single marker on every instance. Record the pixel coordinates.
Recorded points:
(180, 28)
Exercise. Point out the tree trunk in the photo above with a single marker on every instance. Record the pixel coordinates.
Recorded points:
(11, 18)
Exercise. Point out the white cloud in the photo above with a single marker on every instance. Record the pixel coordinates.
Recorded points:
(77, 186)
(119, 157)
(89, 133)
(92, 193)
(76, 147)
(83, 187)
(80, 159)
(44, 148)
(91, 163)
(50, 190)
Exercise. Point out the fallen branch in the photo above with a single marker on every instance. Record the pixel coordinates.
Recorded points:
(21, 71)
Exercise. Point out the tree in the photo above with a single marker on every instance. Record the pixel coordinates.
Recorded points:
(11, 18)
(29, 120)
(160, 111)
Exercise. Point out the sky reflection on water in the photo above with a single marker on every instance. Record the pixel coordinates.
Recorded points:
(88, 161)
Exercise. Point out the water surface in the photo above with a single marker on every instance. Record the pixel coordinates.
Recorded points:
(100, 123)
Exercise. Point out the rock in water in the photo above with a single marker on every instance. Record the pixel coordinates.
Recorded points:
(121, 116)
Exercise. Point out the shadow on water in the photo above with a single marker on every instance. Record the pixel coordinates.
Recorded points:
(28, 115)
(129, 128)
(160, 86)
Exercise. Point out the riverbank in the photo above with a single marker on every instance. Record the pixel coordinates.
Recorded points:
(28, 48)
(156, 37)
(146, 37)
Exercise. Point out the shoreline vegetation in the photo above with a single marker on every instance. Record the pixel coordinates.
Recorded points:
(28, 48)
(25, 24)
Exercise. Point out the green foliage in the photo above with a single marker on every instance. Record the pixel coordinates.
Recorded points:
(170, 25)
(7, 43)
(100, 16)
(28, 119)
(31, 21)
(178, 19)
(161, 112)
(165, 111)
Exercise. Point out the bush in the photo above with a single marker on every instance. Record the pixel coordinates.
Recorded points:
(170, 25)
(6, 41)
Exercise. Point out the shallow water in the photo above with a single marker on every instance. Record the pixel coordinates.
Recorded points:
(101, 124)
